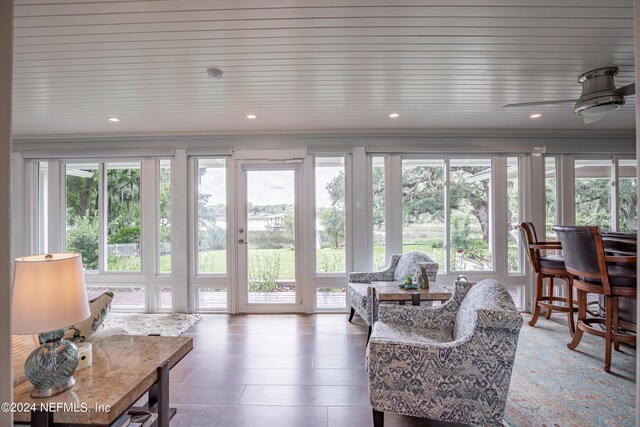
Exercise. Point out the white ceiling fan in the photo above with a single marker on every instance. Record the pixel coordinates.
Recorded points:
(599, 95)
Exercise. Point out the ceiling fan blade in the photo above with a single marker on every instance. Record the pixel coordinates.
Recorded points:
(530, 104)
(627, 90)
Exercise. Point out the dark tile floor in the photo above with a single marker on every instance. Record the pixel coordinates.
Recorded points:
(276, 370)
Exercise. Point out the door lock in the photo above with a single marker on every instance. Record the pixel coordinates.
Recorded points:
(240, 230)
(242, 242)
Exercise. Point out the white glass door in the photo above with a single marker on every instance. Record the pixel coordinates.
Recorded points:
(267, 237)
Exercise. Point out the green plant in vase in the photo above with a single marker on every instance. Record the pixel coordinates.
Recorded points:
(408, 282)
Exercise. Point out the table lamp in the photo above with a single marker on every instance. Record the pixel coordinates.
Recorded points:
(48, 295)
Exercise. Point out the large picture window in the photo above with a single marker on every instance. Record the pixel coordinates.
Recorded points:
(330, 215)
(83, 204)
(470, 185)
(551, 197)
(378, 206)
(123, 217)
(446, 210)
(116, 203)
(593, 192)
(423, 213)
(514, 256)
(627, 195)
(212, 216)
(165, 216)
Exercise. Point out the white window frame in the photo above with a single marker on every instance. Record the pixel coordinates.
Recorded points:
(497, 197)
(198, 280)
(614, 198)
(318, 280)
(148, 277)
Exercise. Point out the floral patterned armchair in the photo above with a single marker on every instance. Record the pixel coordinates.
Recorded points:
(359, 291)
(451, 362)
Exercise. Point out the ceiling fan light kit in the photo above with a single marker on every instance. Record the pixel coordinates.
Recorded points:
(599, 95)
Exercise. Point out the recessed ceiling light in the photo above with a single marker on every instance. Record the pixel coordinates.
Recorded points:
(113, 119)
(394, 115)
(251, 116)
(535, 116)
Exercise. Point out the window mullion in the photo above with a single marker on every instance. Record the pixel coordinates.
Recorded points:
(615, 194)
(393, 205)
(102, 218)
(498, 218)
(447, 217)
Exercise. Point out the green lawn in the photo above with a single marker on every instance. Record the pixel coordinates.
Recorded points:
(215, 261)
(329, 259)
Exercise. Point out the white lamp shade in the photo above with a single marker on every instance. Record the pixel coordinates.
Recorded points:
(48, 293)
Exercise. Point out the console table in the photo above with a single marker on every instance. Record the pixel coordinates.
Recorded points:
(124, 368)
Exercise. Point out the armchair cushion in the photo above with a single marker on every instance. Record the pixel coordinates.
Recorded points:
(491, 295)
(551, 261)
(413, 335)
(408, 263)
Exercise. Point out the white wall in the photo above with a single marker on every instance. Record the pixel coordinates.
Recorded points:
(6, 43)
(577, 141)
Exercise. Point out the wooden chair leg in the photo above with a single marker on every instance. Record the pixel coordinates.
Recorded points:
(536, 307)
(569, 289)
(547, 315)
(616, 322)
(378, 418)
(353, 311)
(608, 333)
(582, 315)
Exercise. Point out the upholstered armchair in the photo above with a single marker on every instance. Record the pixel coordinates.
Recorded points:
(451, 362)
(359, 294)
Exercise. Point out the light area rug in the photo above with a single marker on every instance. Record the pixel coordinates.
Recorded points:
(554, 386)
(169, 325)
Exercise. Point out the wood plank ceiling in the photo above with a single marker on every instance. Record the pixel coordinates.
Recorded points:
(311, 65)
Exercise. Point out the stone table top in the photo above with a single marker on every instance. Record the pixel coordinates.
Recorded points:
(123, 369)
(391, 291)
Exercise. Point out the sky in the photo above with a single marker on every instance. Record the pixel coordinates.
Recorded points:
(266, 187)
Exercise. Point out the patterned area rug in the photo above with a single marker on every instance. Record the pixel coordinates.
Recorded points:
(170, 325)
(554, 386)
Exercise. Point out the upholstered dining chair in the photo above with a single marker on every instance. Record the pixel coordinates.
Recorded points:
(592, 271)
(547, 267)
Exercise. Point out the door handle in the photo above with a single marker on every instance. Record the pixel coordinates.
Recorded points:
(243, 242)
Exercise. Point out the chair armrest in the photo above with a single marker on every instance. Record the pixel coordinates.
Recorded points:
(385, 275)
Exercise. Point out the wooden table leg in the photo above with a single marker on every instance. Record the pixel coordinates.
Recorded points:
(415, 299)
(41, 419)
